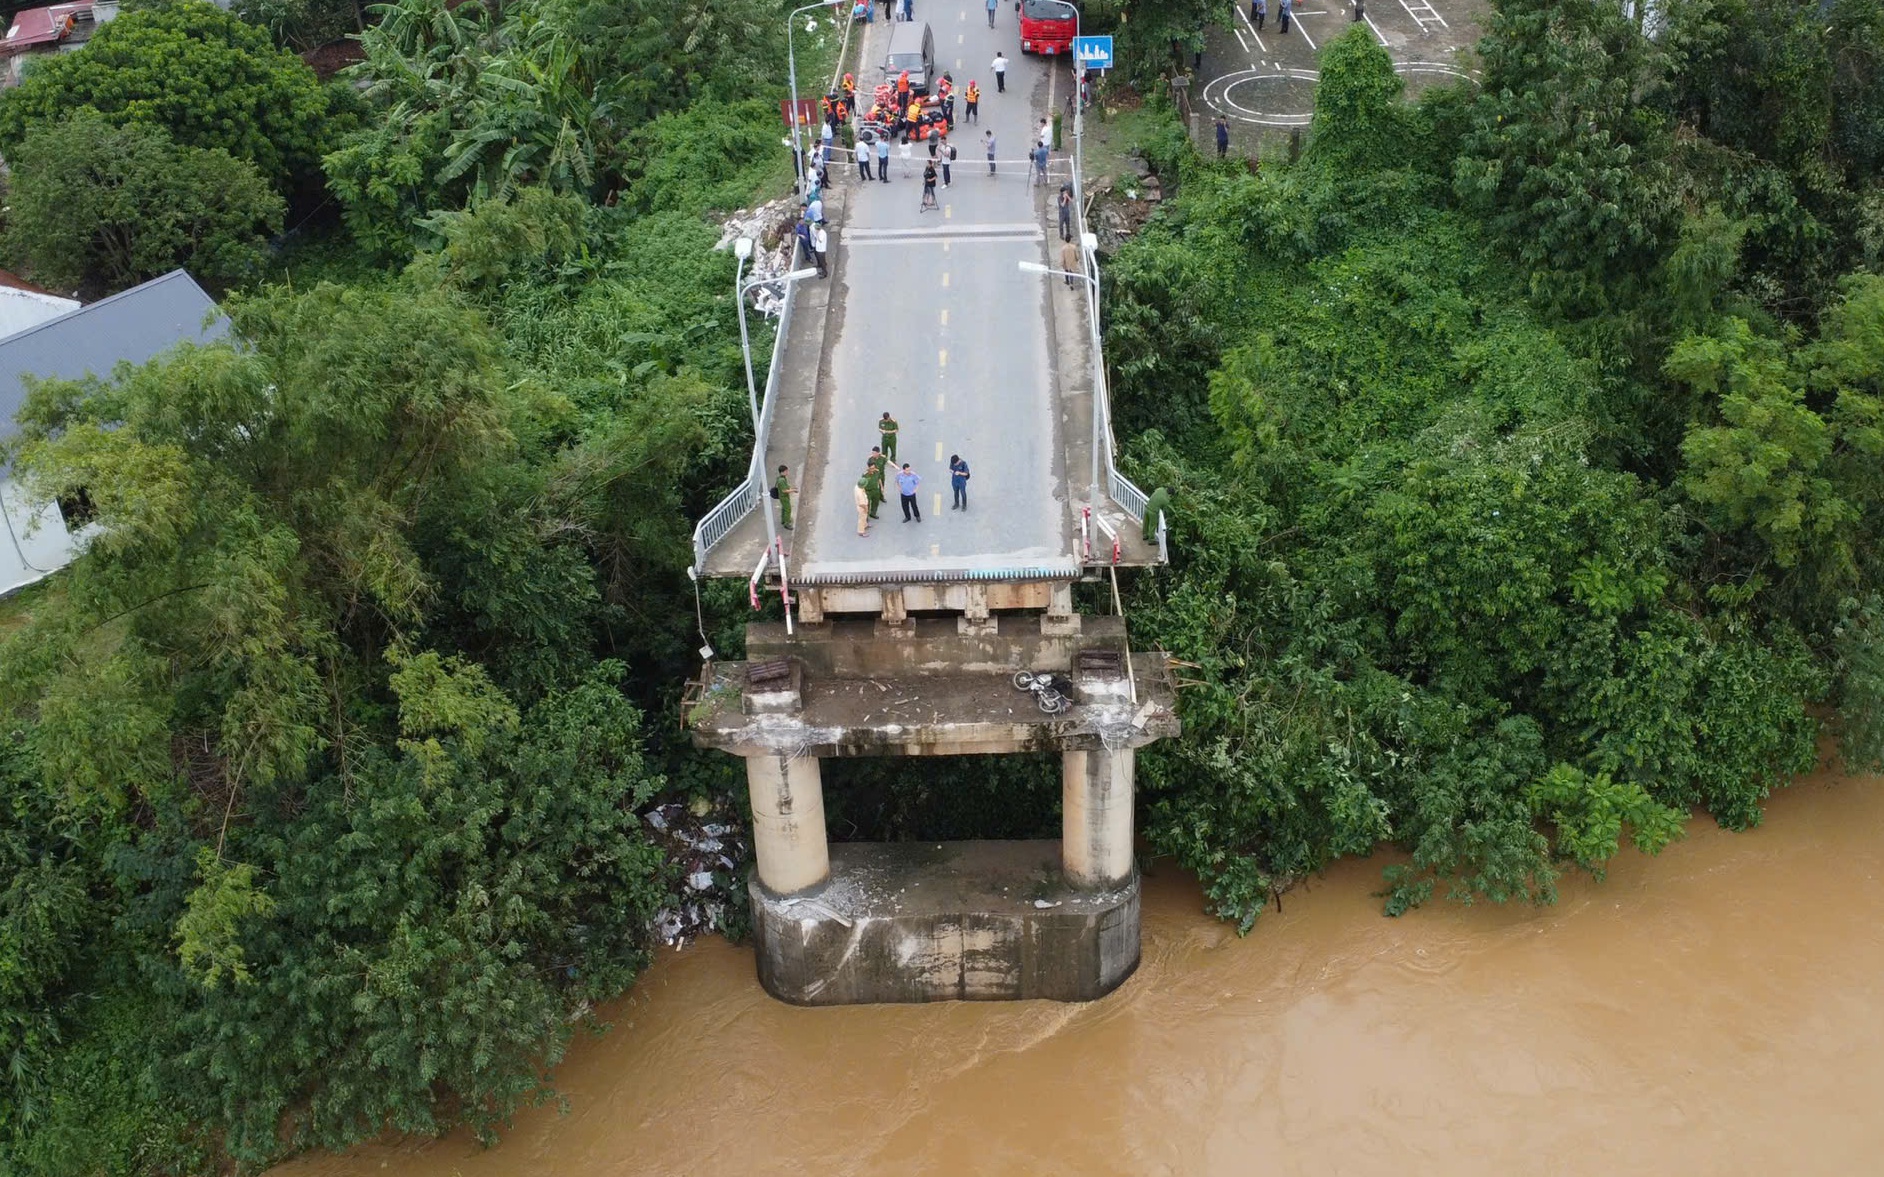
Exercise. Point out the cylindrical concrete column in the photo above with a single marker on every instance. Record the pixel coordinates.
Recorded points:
(1096, 831)
(788, 840)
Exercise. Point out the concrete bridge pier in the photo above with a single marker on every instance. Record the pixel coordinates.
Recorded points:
(788, 839)
(1096, 804)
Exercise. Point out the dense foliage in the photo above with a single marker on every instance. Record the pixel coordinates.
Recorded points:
(208, 78)
(1536, 508)
(100, 207)
(481, 101)
(323, 766)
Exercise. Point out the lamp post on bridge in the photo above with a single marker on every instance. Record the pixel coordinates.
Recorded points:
(1089, 244)
(791, 67)
(742, 249)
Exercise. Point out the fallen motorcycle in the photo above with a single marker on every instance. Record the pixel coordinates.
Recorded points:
(1051, 692)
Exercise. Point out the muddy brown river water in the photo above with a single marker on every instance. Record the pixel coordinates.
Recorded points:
(1716, 1010)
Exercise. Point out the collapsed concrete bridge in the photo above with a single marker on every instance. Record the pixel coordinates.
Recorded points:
(904, 642)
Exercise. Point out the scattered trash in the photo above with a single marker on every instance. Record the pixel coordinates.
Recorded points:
(707, 857)
(1044, 903)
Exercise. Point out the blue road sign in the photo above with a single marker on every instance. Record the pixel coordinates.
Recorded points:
(1093, 52)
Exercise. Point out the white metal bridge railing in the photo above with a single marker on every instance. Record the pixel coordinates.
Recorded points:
(732, 509)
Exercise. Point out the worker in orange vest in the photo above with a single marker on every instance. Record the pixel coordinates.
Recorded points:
(945, 86)
(850, 89)
(973, 95)
(902, 88)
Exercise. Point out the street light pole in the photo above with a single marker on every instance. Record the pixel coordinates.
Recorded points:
(1099, 396)
(791, 66)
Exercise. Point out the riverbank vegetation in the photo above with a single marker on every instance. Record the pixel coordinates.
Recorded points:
(1524, 442)
(1521, 442)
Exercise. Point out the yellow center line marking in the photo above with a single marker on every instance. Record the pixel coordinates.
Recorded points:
(945, 278)
(936, 549)
(945, 316)
(942, 358)
(938, 402)
(945, 247)
(948, 210)
(938, 451)
(935, 510)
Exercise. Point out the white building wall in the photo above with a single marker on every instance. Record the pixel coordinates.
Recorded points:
(20, 309)
(33, 539)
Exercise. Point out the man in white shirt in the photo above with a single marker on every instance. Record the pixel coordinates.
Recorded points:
(1000, 72)
(820, 241)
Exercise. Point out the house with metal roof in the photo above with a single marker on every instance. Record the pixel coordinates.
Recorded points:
(131, 327)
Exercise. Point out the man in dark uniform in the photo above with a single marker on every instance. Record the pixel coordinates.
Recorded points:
(783, 492)
(886, 428)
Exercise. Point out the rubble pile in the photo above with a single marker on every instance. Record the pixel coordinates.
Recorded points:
(770, 226)
(708, 853)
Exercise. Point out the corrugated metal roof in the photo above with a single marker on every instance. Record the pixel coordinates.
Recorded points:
(38, 26)
(132, 326)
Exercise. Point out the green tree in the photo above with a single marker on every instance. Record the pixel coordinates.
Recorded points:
(1564, 160)
(441, 913)
(104, 207)
(259, 513)
(1360, 122)
(208, 78)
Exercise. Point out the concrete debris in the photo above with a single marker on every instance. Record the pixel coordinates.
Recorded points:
(709, 857)
(770, 226)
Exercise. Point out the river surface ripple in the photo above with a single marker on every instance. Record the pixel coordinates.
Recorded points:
(1716, 1010)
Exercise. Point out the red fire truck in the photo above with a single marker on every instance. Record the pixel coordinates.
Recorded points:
(1047, 26)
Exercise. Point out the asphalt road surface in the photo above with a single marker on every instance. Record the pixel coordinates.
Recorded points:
(937, 325)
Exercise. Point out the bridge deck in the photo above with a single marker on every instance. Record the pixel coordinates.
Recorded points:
(927, 316)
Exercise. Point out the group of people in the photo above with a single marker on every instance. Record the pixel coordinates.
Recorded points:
(1259, 13)
(881, 465)
(896, 110)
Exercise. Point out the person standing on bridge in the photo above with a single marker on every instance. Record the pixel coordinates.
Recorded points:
(973, 97)
(1282, 17)
(820, 242)
(928, 187)
(990, 142)
(883, 158)
(864, 146)
(991, 7)
(906, 483)
(1040, 164)
(783, 492)
(803, 234)
(1258, 13)
(862, 500)
(1070, 260)
(947, 157)
(1000, 72)
(958, 480)
(886, 429)
(873, 488)
(1223, 137)
(1066, 212)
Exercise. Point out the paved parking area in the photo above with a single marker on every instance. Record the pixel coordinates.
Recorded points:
(1263, 80)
